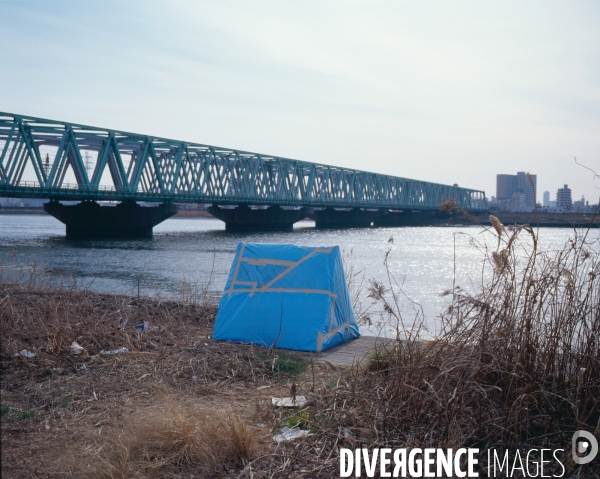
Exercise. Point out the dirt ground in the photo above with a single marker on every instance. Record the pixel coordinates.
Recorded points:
(62, 412)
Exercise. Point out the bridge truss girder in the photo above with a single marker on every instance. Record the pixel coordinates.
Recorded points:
(147, 168)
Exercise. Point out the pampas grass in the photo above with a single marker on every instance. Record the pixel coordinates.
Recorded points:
(515, 366)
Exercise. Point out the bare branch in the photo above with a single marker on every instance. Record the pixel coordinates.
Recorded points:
(588, 168)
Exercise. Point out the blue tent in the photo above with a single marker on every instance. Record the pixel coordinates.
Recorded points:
(286, 296)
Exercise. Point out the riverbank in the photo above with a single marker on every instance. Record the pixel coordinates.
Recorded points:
(80, 415)
(540, 219)
(515, 367)
(182, 213)
(545, 220)
(24, 211)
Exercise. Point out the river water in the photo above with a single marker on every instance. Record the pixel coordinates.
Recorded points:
(189, 253)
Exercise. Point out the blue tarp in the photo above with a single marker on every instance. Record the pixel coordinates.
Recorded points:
(286, 296)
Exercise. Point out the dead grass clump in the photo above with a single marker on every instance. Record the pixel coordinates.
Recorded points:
(40, 325)
(447, 205)
(173, 436)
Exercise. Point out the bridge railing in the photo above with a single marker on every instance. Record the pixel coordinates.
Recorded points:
(63, 188)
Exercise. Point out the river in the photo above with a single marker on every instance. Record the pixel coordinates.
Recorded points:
(188, 253)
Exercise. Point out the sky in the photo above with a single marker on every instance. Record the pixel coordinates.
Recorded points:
(442, 91)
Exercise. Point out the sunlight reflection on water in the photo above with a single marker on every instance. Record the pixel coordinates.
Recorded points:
(183, 250)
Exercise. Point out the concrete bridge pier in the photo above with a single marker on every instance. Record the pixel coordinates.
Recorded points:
(244, 218)
(343, 218)
(127, 219)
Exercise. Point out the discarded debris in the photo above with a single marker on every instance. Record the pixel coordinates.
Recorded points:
(115, 351)
(76, 348)
(288, 434)
(194, 379)
(123, 325)
(293, 391)
(298, 401)
(26, 353)
(145, 326)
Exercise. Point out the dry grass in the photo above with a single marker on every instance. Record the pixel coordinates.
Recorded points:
(170, 437)
(516, 365)
(64, 413)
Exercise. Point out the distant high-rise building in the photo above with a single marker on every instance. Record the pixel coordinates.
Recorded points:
(509, 185)
(563, 198)
(580, 206)
(546, 199)
(505, 186)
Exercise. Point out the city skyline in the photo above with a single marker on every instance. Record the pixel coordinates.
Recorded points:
(430, 91)
(519, 193)
(536, 192)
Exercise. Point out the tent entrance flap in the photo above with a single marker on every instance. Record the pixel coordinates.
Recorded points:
(286, 296)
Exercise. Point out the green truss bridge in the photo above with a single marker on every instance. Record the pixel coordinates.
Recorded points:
(60, 161)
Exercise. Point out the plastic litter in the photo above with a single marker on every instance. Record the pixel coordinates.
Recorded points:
(123, 325)
(288, 434)
(261, 424)
(299, 401)
(26, 353)
(145, 326)
(115, 351)
(76, 348)
(194, 379)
